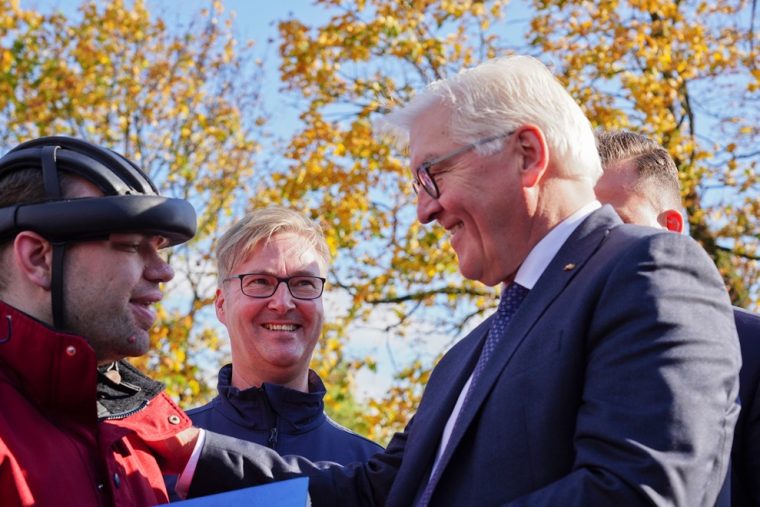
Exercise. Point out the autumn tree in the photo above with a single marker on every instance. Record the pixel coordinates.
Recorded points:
(684, 73)
(182, 101)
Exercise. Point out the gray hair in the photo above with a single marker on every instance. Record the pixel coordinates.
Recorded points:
(259, 226)
(500, 95)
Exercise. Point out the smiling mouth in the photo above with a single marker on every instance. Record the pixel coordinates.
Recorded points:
(280, 327)
(454, 229)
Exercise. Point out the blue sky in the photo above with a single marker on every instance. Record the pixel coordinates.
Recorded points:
(254, 20)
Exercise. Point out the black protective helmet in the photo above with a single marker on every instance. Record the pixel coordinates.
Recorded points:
(131, 202)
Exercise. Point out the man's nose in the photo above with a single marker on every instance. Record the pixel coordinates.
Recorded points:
(158, 270)
(427, 207)
(281, 300)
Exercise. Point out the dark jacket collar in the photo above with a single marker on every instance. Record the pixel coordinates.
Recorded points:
(272, 404)
(125, 392)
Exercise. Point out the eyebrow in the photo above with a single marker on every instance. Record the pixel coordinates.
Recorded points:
(300, 272)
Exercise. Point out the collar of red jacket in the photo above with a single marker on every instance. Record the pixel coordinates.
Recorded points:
(56, 371)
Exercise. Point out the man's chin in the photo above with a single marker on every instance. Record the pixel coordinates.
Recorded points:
(138, 344)
(468, 270)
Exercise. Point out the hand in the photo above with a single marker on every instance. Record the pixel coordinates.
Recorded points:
(174, 452)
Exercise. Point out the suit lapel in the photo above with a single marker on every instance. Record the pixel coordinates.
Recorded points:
(569, 261)
(438, 401)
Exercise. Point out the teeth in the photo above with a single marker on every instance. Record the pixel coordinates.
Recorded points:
(280, 327)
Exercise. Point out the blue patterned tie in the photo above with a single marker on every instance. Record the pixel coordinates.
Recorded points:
(508, 305)
(510, 301)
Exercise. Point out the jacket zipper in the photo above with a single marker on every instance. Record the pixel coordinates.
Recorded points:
(128, 413)
(272, 441)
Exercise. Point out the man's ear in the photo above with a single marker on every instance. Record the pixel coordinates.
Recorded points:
(33, 256)
(531, 146)
(672, 220)
(219, 306)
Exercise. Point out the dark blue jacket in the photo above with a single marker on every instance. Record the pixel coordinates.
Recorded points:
(745, 455)
(288, 421)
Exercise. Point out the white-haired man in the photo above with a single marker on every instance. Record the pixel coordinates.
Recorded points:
(595, 383)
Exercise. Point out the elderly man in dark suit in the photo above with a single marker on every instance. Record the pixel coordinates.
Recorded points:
(640, 181)
(609, 374)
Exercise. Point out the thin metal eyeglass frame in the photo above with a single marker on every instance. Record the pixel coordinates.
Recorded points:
(424, 179)
(280, 280)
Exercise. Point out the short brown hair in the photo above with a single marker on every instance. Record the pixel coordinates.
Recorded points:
(24, 186)
(653, 162)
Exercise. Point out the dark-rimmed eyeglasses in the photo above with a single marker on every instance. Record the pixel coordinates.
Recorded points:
(424, 179)
(260, 285)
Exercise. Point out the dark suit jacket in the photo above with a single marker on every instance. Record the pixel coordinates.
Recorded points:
(745, 456)
(617, 386)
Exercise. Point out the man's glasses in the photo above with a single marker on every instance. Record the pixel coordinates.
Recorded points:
(424, 179)
(258, 285)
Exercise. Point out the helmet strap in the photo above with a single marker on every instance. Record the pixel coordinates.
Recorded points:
(56, 284)
(50, 172)
(53, 190)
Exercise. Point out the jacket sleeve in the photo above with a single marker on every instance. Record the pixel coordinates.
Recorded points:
(227, 463)
(658, 407)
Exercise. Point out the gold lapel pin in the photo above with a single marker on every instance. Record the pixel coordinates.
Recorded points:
(569, 267)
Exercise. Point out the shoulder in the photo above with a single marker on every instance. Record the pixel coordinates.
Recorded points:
(352, 437)
(645, 249)
(627, 235)
(749, 322)
(201, 416)
(748, 328)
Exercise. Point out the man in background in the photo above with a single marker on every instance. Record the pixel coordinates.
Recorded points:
(272, 266)
(640, 181)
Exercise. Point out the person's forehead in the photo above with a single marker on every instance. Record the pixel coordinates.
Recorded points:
(288, 248)
(430, 128)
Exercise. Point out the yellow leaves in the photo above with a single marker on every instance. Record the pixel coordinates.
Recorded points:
(639, 64)
(6, 60)
(168, 98)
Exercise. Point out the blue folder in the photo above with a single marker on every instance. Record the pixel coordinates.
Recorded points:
(290, 493)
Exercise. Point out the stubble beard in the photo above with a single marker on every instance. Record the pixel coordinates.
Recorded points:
(112, 335)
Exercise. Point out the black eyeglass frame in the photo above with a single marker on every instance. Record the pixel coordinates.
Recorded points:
(424, 179)
(285, 280)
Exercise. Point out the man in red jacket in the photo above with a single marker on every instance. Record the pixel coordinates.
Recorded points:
(80, 232)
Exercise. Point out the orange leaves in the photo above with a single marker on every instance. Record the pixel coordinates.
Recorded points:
(174, 344)
(389, 414)
(658, 66)
(681, 73)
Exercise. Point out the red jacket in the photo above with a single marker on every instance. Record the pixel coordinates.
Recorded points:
(54, 449)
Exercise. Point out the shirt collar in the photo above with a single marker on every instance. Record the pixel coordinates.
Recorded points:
(539, 258)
